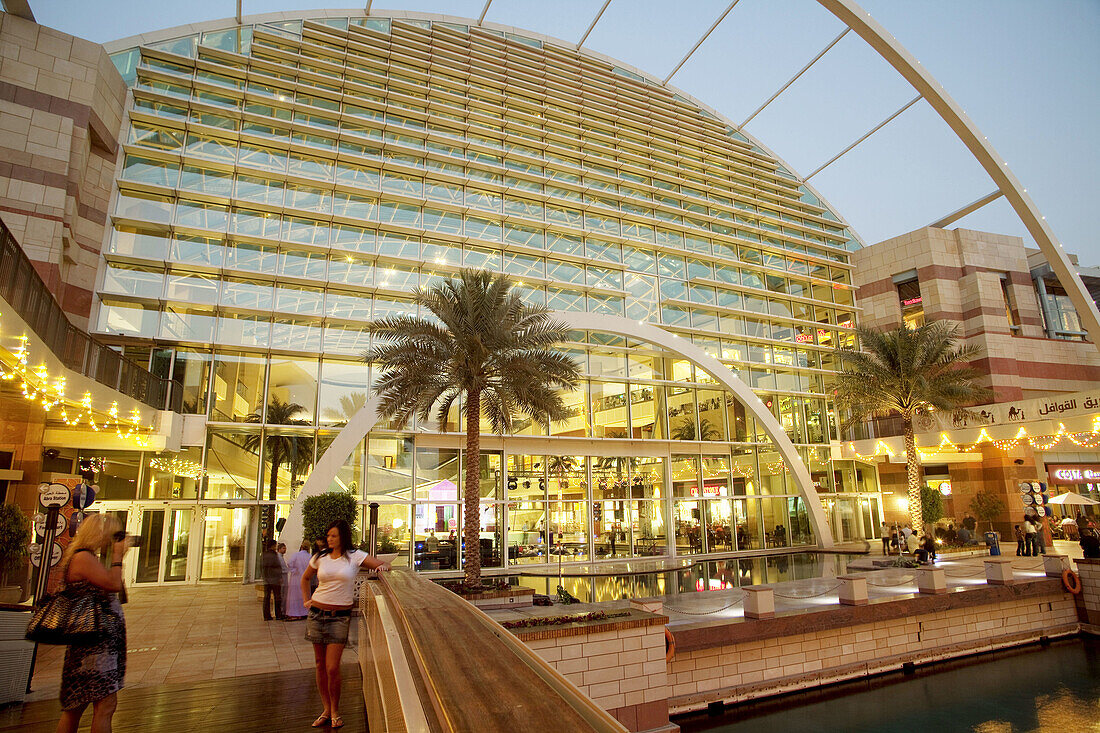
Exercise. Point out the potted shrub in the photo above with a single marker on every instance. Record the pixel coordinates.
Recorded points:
(15, 540)
(322, 509)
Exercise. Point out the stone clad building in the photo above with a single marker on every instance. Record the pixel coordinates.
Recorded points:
(1006, 302)
(61, 106)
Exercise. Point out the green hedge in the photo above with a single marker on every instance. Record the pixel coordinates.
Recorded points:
(321, 510)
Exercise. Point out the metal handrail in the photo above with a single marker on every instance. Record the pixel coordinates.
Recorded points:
(29, 296)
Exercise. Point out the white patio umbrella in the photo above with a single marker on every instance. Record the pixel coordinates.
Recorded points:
(1072, 498)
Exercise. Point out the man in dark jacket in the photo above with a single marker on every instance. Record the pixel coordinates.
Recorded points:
(273, 581)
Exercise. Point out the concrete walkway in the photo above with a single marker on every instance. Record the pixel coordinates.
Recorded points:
(189, 633)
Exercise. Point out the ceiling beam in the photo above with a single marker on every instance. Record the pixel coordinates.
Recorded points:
(866, 135)
(481, 18)
(700, 41)
(888, 47)
(967, 210)
(593, 25)
(794, 78)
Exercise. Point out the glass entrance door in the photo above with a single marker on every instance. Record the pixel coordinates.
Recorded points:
(223, 543)
(161, 544)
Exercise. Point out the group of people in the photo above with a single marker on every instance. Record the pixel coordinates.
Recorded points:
(325, 588)
(905, 540)
(283, 600)
(1029, 538)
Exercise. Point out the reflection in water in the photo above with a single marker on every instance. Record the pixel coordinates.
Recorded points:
(702, 576)
(1027, 690)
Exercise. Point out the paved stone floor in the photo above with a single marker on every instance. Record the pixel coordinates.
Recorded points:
(194, 633)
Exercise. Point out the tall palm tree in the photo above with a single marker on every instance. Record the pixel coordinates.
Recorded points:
(908, 372)
(294, 451)
(485, 344)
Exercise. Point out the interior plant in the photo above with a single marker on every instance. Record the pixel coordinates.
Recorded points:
(931, 501)
(987, 506)
(908, 372)
(15, 540)
(477, 341)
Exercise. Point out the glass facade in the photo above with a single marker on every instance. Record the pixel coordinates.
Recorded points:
(284, 184)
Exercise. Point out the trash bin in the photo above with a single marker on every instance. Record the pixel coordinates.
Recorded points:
(993, 540)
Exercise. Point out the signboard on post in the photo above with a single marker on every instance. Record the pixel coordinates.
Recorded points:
(40, 525)
(55, 556)
(54, 495)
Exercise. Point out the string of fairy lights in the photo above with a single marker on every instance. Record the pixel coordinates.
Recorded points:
(1084, 439)
(48, 392)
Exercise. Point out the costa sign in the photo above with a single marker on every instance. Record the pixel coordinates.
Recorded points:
(1074, 474)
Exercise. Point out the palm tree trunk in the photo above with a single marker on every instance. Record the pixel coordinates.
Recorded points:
(471, 521)
(272, 492)
(916, 512)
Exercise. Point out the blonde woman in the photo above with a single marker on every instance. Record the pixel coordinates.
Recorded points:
(94, 673)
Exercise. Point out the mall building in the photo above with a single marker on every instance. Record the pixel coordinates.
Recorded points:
(225, 207)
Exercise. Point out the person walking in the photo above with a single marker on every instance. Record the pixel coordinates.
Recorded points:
(297, 565)
(330, 612)
(94, 673)
(1020, 550)
(273, 581)
(885, 539)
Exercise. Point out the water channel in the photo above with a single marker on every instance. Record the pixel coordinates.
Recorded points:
(599, 582)
(1053, 689)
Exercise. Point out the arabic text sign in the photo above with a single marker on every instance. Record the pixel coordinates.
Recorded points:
(54, 494)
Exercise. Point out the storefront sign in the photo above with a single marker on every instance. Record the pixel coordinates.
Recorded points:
(1013, 413)
(1084, 473)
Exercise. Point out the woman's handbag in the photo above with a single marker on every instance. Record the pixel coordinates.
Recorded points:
(70, 618)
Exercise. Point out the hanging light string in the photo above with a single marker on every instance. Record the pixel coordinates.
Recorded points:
(38, 387)
(1086, 439)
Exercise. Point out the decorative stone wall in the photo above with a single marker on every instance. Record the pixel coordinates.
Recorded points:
(742, 660)
(1089, 601)
(620, 664)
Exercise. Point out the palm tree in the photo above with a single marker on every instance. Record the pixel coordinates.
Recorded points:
(482, 343)
(686, 430)
(296, 451)
(349, 405)
(909, 372)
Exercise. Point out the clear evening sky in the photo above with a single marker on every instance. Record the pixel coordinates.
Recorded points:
(1027, 73)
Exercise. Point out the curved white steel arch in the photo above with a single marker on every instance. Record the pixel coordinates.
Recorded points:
(888, 47)
(361, 423)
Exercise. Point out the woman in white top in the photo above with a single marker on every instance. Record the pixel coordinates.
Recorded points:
(330, 612)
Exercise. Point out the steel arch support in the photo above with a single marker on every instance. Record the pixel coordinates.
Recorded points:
(888, 47)
(365, 419)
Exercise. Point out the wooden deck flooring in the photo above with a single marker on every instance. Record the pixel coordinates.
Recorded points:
(279, 701)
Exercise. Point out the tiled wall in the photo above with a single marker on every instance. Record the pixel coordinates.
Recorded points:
(755, 668)
(623, 670)
(1089, 570)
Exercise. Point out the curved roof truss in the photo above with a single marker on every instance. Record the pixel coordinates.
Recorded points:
(329, 464)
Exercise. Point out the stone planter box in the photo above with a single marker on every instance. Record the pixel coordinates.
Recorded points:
(516, 597)
(16, 653)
